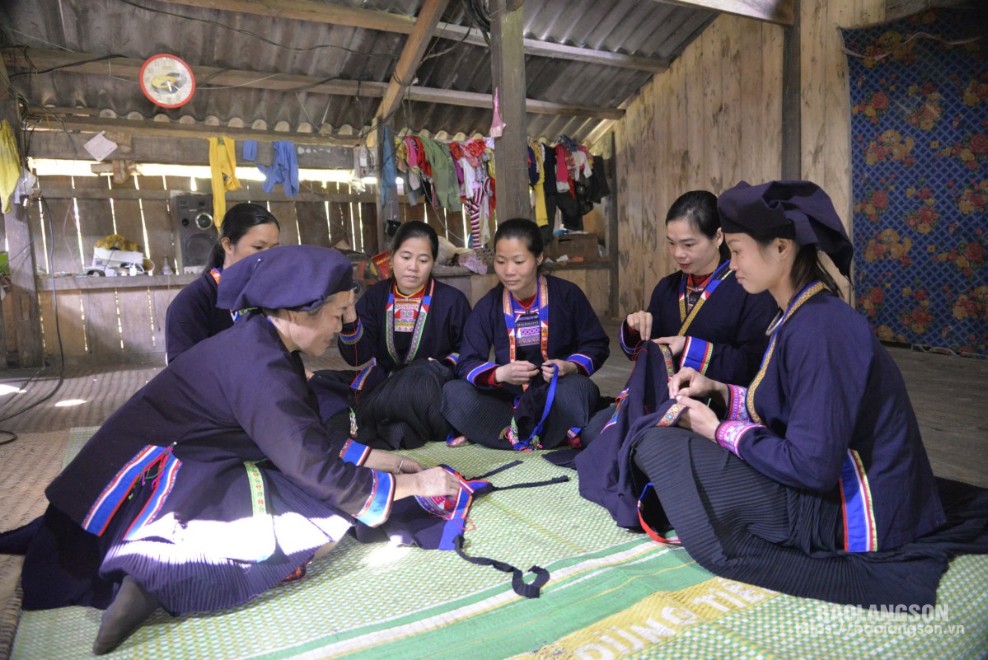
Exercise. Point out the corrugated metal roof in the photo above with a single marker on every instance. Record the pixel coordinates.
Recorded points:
(321, 53)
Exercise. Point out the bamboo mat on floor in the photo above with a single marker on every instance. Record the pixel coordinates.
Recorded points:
(26, 467)
(612, 593)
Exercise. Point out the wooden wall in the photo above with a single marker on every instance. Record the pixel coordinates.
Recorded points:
(715, 118)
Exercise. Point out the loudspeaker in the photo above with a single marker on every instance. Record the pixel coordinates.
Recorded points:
(193, 217)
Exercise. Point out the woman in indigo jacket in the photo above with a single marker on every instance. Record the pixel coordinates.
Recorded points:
(193, 315)
(407, 327)
(813, 480)
(217, 480)
(547, 342)
(708, 321)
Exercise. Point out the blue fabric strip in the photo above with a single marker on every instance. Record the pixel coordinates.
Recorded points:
(354, 452)
(378, 506)
(116, 491)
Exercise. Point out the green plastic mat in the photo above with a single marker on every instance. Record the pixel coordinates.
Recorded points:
(612, 594)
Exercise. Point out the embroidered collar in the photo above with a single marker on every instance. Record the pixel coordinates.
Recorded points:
(686, 316)
(420, 319)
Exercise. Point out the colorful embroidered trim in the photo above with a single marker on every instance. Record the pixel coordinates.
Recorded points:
(106, 505)
(361, 378)
(352, 337)
(377, 508)
(354, 452)
(420, 318)
(736, 411)
(453, 358)
(729, 434)
(860, 533)
(672, 415)
(513, 310)
(697, 354)
(811, 290)
(163, 483)
(718, 276)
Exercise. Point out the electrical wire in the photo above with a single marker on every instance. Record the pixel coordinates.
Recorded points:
(58, 335)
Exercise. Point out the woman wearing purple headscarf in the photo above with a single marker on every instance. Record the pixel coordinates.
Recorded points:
(812, 479)
(217, 481)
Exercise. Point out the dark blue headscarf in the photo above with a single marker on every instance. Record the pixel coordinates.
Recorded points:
(799, 210)
(286, 277)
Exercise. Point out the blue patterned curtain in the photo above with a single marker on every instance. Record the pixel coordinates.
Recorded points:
(919, 148)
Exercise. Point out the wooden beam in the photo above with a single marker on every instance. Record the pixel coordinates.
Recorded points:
(129, 194)
(774, 11)
(330, 14)
(792, 102)
(896, 9)
(160, 147)
(511, 148)
(81, 63)
(411, 56)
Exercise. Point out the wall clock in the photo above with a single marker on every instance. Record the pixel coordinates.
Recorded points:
(167, 80)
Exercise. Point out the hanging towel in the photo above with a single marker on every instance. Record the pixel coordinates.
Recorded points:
(249, 150)
(223, 167)
(10, 164)
(443, 174)
(283, 169)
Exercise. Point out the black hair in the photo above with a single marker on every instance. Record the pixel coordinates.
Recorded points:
(699, 209)
(522, 229)
(806, 267)
(416, 229)
(237, 221)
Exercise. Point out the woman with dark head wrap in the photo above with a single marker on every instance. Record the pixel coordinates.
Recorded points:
(813, 480)
(217, 480)
(193, 315)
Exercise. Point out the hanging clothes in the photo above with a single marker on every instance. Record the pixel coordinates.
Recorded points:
(223, 170)
(10, 164)
(283, 168)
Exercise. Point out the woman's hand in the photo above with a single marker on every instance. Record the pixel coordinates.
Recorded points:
(516, 372)
(689, 382)
(565, 369)
(697, 417)
(640, 322)
(427, 483)
(675, 344)
(350, 313)
(389, 461)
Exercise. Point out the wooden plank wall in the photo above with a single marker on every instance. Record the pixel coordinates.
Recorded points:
(125, 324)
(715, 118)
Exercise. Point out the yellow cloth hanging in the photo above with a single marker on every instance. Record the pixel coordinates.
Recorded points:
(10, 164)
(541, 212)
(223, 168)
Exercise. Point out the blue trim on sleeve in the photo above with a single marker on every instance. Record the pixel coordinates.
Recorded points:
(696, 354)
(582, 361)
(453, 358)
(378, 506)
(354, 452)
(478, 370)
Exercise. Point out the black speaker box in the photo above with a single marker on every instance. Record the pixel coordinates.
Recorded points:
(193, 217)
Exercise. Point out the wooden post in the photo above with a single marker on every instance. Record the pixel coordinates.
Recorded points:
(508, 74)
(387, 199)
(23, 287)
(792, 99)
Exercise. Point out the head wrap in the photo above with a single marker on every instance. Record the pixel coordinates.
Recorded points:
(799, 210)
(286, 277)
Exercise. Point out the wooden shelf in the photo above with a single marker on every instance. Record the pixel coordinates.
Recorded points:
(95, 282)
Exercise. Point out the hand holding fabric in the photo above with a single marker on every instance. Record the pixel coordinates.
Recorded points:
(516, 372)
(675, 344)
(640, 322)
(565, 368)
(697, 417)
